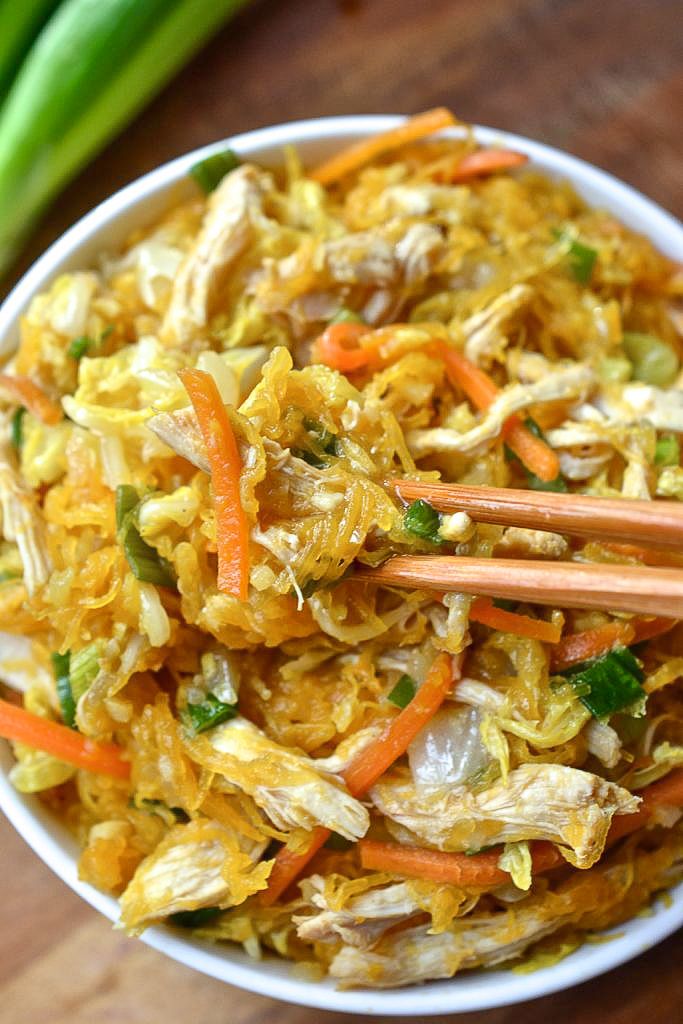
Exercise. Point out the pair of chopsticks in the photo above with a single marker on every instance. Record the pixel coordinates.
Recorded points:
(623, 588)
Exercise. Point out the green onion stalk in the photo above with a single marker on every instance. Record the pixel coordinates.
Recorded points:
(91, 69)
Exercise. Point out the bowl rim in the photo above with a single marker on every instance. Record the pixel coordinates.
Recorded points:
(50, 840)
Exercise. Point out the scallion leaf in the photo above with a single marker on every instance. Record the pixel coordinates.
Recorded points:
(654, 362)
(79, 346)
(146, 563)
(211, 712)
(85, 664)
(581, 257)
(16, 428)
(667, 451)
(423, 520)
(61, 666)
(194, 918)
(609, 683)
(210, 172)
(403, 692)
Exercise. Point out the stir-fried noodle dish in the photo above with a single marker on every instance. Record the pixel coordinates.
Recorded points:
(201, 437)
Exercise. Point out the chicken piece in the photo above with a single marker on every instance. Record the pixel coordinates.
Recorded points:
(479, 695)
(23, 524)
(196, 865)
(633, 401)
(518, 542)
(583, 467)
(482, 940)
(349, 749)
(233, 210)
(418, 250)
(286, 785)
(365, 918)
(603, 742)
(180, 431)
(571, 382)
(362, 258)
(630, 440)
(539, 801)
(484, 337)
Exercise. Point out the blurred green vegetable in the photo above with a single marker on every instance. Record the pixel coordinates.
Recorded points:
(210, 172)
(20, 21)
(94, 65)
(654, 362)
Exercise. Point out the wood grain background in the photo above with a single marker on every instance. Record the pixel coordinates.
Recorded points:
(600, 78)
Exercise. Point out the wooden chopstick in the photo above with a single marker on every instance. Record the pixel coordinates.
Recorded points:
(616, 588)
(657, 523)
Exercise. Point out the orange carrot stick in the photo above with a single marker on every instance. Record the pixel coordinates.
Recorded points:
(478, 871)
(649, 556)
(484, 611)
(356, 156)
(26, 392)
(370, 764)
(482, 871)
(66, 744)
(485, 161)
(647, 629)
(364, 772)
(338, 347)
(232, 529)
(591, 643)
(533, 451)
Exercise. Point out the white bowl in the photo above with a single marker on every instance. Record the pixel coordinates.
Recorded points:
(106, 227)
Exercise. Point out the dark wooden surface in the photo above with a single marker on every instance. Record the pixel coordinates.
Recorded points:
(600, 78)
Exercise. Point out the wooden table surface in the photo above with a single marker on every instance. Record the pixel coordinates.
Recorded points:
(603, 80)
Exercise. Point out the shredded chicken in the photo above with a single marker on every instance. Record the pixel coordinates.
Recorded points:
(484, 337)
(572, 382)
(362, 921)
(225, 235)
(197, 865)
(540, 801)
(603, 742)
(520, 542)
(22, 523)
(287, 786)
(633, 402)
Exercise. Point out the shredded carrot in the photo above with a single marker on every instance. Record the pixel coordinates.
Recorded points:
(591, 643)
(481, 870)
(375, 759)
(26, 392)
(649, 556)
(68, 745)
(232, 530)
(484, 611)
(371, 763)
(647, 629)
(484, 161)
(356, 156)
(533, 451)
(338, 347)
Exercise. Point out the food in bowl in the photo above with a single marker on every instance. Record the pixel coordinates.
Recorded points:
(240, 384)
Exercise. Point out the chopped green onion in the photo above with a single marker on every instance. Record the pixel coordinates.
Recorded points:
(158, 807)
(423, 520)
(346, 316)
(309, 457)
(617, 369)
(61, 667)
(79, 346)
(16, 427)
(581, 257)
(211, 712)
(85, 664)
(403, 692)
(126, 500)
(210, 172)
(194, 918)
(667, 451)
(609, 683)
(337, 842)
(654, 362)
(145, 562)
(6, 575)
(324, 438)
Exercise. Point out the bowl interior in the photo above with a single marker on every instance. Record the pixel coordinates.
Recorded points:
(106, 228)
